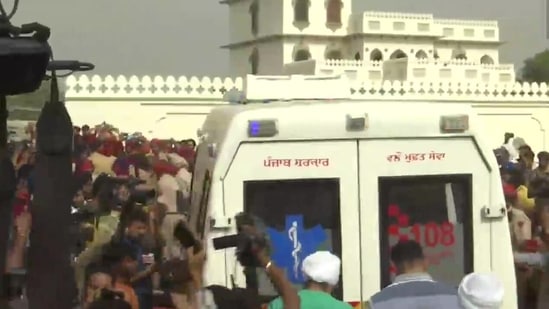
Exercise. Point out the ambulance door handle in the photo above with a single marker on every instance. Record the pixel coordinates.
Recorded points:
(496, 212)
(220, 223)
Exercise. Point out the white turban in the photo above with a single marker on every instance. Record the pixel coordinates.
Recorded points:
(322, 267)
(481, 291)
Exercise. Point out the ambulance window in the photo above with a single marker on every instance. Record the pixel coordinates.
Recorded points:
(300, 217)
(435, 211)
(203, 207)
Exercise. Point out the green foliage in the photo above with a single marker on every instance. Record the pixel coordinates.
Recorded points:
(28, 106)
(19, 114)
(536, 68)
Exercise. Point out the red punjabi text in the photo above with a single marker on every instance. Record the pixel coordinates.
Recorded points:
(414, 157)
(270, 162)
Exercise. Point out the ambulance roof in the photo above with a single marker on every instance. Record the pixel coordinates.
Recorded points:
(315, 120)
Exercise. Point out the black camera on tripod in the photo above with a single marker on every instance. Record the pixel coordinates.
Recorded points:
(246, 244)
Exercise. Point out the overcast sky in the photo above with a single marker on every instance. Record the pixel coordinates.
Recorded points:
(182, 37)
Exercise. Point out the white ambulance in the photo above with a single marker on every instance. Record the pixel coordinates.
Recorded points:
(320, 171)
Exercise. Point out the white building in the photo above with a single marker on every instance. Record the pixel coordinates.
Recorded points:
(266, 35)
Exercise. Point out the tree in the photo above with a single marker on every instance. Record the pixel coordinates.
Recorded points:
(28, 106)
(536, 68)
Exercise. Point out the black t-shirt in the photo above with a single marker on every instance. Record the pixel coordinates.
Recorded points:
(236, 298)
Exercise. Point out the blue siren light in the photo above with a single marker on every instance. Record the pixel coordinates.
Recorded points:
(262, 128)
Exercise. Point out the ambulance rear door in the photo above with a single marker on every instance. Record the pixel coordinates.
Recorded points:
(423, 189)
(304, 195)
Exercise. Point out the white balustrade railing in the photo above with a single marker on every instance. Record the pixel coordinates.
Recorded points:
(212, 89)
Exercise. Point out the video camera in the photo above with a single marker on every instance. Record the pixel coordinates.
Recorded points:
(246, 244)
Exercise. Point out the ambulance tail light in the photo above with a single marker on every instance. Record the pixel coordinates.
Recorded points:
(454, 124)
(262, 128)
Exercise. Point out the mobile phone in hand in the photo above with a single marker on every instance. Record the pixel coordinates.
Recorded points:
(148, 259)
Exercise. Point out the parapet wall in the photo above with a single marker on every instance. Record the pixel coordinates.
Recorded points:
(212, 89)
(168, 107)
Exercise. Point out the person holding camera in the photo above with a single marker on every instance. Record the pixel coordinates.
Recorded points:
(136, 229)
(110, 280)
(123, 261)
(187, 290)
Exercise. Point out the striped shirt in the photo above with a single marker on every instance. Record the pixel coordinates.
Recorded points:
(415, 291)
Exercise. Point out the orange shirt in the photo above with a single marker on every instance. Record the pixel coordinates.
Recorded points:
(129, 294)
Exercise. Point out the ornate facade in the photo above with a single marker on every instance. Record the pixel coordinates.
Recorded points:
(267, 35)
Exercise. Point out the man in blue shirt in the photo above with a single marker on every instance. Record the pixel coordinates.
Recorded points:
(413, 287)
(136, 228)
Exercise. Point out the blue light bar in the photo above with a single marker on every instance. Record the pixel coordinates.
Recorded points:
(262, 128)
(254, 128)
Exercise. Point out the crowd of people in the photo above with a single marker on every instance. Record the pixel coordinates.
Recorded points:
(131, 195)
(525, 178)
(130, 198)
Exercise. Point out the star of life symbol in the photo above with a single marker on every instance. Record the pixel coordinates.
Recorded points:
(294, 244)
(292, 234)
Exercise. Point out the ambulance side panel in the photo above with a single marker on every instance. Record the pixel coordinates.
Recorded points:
(432, 190)
(205, 189)
(311, 185)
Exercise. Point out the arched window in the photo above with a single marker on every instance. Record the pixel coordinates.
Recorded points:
(398, 54)
(486, 60)
(254, 14)
(302, 55)
(333, 12)
(334, 55)
(254, 61)
(357, 56)
(376, 55)
(421, 54)
(301, 11)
